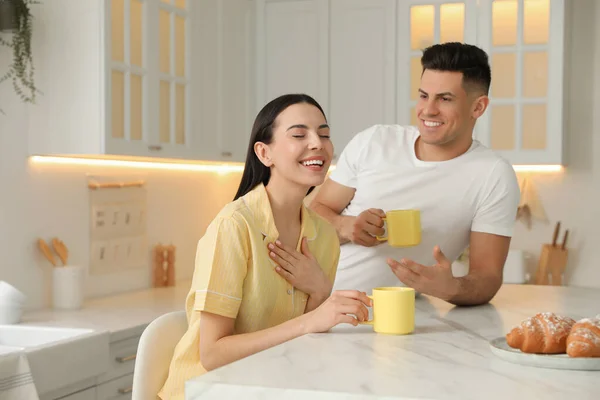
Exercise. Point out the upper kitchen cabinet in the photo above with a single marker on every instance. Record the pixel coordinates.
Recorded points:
(149, 78)
(292, 49)
(524, 39)
(422, 24)
(362, 67)
(116, 79)
(361, 60)
(235, 98)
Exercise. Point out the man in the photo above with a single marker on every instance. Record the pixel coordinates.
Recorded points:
(467, 195)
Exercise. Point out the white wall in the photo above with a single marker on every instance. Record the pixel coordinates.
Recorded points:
(42, 200)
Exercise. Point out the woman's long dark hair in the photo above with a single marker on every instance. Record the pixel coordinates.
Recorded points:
(256, 172)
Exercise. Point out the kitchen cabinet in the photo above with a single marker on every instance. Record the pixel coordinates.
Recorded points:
(115, 77)
(362, 37)
(373, 70)
(88, 394)
(143, 78)
(525, 42)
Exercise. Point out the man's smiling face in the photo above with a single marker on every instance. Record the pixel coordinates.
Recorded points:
(445, 110)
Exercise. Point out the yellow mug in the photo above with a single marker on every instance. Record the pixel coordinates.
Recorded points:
(403, 228)
(393, 310)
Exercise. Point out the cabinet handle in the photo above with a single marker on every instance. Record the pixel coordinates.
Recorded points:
(227, 154)
(125, 359)
(126, 390)
(154, 147)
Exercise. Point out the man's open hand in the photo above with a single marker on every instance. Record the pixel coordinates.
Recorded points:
(436, 280)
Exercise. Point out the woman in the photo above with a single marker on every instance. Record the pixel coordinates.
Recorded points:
(265, 266)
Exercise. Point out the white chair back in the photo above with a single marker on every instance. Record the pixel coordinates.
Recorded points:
(154, 354)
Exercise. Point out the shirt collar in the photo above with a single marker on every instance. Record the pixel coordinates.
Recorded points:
(257, 201)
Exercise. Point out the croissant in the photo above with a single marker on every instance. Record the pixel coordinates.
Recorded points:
(544, 333)
(584, 339)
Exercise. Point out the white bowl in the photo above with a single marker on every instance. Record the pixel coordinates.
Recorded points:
(10, 313)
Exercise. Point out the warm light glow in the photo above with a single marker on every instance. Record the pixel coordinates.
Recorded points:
(208, 166)
(538, 168)
(178, 166)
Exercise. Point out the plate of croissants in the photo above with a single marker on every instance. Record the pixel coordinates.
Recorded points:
(550, 340)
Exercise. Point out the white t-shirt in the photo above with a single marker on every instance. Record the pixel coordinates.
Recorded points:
(477, 191)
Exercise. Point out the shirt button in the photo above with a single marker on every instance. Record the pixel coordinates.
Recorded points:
(289, 291)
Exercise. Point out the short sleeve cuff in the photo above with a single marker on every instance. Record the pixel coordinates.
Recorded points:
(495, 230)
(343, 178)
(217, 303)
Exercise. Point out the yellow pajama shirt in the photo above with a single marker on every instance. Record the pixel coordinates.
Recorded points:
(235, 277)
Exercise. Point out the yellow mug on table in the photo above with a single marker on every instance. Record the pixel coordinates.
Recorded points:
(403, 228)
(393, 310)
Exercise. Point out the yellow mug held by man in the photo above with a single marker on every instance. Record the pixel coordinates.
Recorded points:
(393, 310)
(403, 228)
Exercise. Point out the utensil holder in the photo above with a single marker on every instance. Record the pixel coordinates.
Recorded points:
(551, 265)
(67, 287)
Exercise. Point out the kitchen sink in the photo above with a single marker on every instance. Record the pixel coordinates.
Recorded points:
(33, 336)
(58, 357)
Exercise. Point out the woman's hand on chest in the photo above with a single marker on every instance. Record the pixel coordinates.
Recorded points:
(301, 270)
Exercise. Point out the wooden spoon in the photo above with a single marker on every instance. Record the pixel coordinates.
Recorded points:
(61, 250)
(45, 249)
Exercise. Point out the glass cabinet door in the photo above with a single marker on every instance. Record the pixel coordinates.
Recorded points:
(127, 80)
(422, 24)
(524, 39)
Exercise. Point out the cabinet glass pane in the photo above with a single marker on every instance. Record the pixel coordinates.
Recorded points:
(164, 41)
(503, 78)
(535, 74)
(421, 26)
(179, 46)
(136, 17)
(415, 77)
(534, 127)
(117, 101)
(504, 22)
(452, 22)
(117, 23)
(503, 127)
(180, 3)
(179, 114)
(536, 21)
(136, 104)
(413, 117)
(165, 112)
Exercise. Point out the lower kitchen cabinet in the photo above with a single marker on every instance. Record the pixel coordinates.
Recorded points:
(118, 389)
(88, 394)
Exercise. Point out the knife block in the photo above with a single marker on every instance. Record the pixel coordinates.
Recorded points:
(164, 266)
(551, 266)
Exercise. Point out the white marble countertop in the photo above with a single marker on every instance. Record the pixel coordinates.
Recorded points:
(448, 357)
(123, 315)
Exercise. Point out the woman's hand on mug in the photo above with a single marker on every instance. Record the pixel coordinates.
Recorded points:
(343, 306)
(364, 228)
(301, 270)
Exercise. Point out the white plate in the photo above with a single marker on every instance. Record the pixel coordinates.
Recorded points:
(557, 361)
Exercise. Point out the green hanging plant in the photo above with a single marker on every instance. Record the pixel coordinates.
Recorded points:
(15, 18)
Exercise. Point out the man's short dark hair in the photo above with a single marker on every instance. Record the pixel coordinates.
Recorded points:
(459, 57)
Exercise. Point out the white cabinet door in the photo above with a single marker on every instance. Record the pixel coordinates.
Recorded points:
(88, 394)
(236, 78)
(422, 23)
(292, 50)
(524, 39)
(362, 69)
